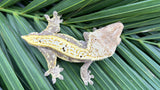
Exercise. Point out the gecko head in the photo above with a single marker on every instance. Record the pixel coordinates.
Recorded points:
(103, 41)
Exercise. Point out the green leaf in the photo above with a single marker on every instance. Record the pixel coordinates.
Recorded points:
(150, 37)
(37, 4)
(93, 7)
(152, 51)
(143, 29)
(130, 73)
(121, 11)
(64, 5)
(6, 3)
(7, 73)
(116, 75)
(139, 67)
(149, 62)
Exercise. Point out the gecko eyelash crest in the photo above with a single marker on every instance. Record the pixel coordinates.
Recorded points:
(98, 45)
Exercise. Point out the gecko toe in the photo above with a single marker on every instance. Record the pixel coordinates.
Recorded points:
(91, 82)
(60, 69)
(47, 17)
(53, 80)
(46, 73)
(61, 20)
(55, 13)
(61, 77)
(55, 72)
(91, 76)
(86, 83)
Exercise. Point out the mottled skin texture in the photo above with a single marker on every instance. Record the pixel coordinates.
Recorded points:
(99, 44)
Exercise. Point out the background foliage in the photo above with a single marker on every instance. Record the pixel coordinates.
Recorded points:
(135, 65)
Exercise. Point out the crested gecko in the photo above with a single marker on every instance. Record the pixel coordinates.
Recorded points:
(98, 45)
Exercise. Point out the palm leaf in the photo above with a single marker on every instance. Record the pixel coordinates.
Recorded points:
(135, 65)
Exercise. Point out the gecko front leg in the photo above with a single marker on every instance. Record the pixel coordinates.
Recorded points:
(86, 36)
(84, 43)
(85, 73)
(51, 59)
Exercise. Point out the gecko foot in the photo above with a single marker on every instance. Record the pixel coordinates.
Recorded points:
(86, 77)
(55, 72)
(55, 20)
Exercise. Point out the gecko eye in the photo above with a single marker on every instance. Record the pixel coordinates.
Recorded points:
(80, 56)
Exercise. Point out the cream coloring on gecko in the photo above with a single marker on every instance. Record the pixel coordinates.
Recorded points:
(99, 44)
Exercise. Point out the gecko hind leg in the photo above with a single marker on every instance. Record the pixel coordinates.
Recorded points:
(51, 59)
(85, 73)
(55, 72)
(53, 24)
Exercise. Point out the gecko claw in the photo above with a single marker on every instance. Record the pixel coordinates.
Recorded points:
(55, 72)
